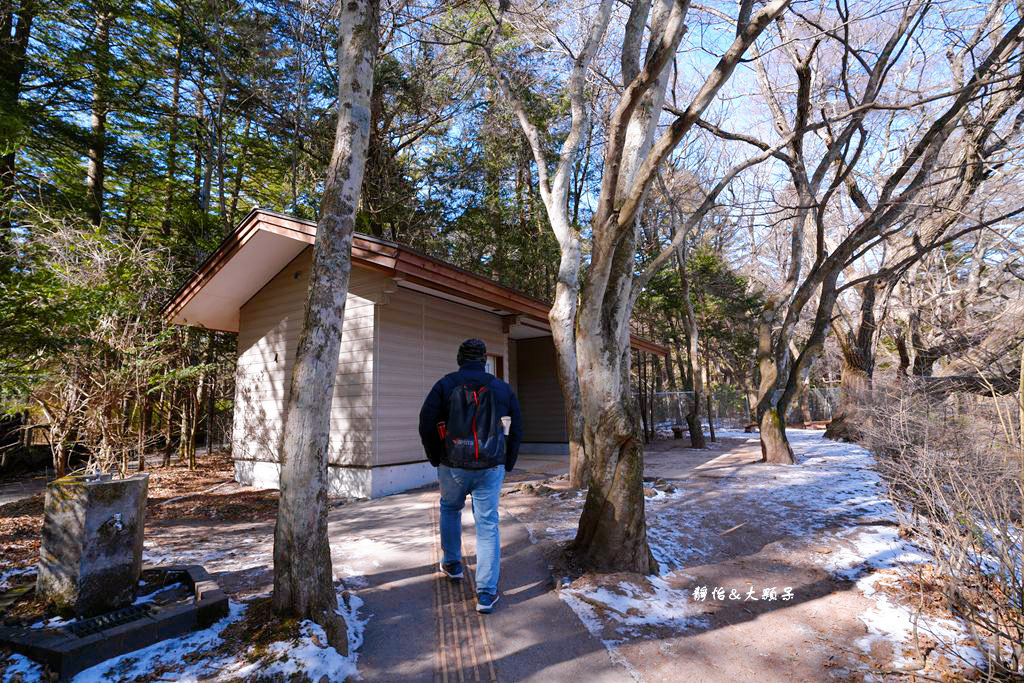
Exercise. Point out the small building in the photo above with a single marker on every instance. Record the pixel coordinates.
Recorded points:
(405, 316)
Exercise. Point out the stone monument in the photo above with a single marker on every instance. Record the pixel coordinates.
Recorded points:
(91, 553)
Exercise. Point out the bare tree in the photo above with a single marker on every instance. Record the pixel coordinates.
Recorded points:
(303, 580)
(554, 192)
(593, 341)
(843, 176)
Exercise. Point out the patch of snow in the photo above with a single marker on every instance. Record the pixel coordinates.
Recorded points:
(863, 548)
(150, 597)
(53, 622)
(586, 614)
(19, 669)
(561, 533)
(6, 575)
(833, 496)
(627, 607)
(174, 652)
(894, 623)
(352, 578)
(308, 657)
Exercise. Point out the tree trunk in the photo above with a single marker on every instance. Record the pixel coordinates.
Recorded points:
(711, 420)
(749, 399)
(1020, 408)
(303, 579)
(612, 533)
(60, 457)
(187, 443)
(211, 399)
(854, 383)
(174, 131)
(641, 395)
(856, 375)
(207, 396)
(805, 399)
(770, 414)
(562, 318)
(172, 396)
(657, 388)
(775, 448)
(98, 120)
(693, 351)
(143, 403)
(236, 191)
(17, 27)
(673, 384)
(707, 383)
(204, 156)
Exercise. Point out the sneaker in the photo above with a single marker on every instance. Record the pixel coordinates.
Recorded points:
(453, 570)
(485, 603)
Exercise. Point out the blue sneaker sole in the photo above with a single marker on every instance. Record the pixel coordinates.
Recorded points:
(486, 609)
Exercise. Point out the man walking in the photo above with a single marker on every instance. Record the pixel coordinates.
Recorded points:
(471, 427)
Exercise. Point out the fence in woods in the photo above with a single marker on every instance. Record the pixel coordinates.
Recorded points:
(729, 408)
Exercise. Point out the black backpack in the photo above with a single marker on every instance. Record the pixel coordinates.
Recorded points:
(473, 438)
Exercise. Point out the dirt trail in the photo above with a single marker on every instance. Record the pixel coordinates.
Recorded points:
(779, 542)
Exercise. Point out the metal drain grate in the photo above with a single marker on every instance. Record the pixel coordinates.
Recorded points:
(110, 620)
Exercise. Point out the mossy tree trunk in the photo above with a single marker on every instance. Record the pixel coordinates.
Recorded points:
(771, 411)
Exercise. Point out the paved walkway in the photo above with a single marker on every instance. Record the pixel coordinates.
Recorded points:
(668, 459)
(421, 626)
(17, 489)
(425, 628)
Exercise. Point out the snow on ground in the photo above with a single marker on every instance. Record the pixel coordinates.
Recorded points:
(194, 657)
(7, 574)
(166, 653)
(624, 608)
(140, 662)
(833, 485)
(632, 605)
(307, 656)
(896, 623)
(21, 670)
(832, 501)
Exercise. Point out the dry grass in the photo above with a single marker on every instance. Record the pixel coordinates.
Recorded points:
(958, 482)
(21, 522)
(175, 494)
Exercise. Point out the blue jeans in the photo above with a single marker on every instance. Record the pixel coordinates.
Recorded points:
(485, 487)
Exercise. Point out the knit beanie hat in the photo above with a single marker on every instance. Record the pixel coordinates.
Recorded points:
(472, 350)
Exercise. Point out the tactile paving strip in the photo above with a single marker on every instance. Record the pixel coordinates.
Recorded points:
(464, 652)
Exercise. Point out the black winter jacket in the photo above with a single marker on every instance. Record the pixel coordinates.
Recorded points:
(436, 404)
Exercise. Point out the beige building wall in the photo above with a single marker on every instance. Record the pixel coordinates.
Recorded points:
(269, 327)
(419, 337)
(540, 397)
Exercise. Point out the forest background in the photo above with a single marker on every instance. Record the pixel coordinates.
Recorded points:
(135, 135)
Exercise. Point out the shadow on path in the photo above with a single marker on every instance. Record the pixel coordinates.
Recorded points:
(389, 547)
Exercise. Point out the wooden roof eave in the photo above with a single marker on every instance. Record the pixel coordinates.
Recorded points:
(395, 260)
